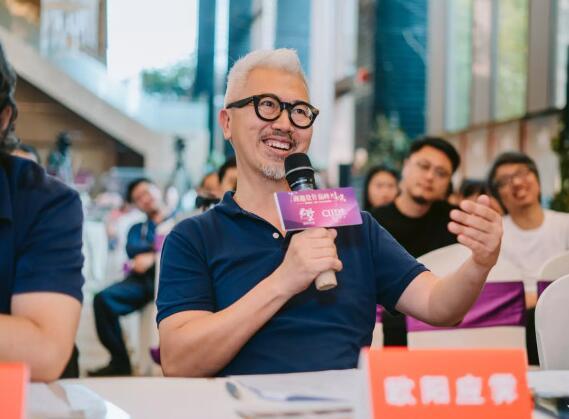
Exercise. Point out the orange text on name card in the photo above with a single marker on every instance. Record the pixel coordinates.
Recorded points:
(13, 381)
(448, 384)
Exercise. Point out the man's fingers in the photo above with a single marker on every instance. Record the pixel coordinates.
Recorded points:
(472, 221)
(473, 233)
(481, 208)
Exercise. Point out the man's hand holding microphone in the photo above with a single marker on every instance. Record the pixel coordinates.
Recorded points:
(312, 255)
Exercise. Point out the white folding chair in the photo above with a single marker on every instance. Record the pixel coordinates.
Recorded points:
(555, 267)
(446, 259)
(551, 319)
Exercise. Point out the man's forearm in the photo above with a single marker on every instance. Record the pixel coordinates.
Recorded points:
(23, 340)
(201, 346)
(453, 295)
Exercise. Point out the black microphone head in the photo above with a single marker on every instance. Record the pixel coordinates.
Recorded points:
(299, 172)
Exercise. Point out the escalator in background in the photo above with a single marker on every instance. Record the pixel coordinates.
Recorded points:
(60, 47)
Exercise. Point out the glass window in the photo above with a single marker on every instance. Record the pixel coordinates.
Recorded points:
(458, 64)
(562, 44)
(511, 58)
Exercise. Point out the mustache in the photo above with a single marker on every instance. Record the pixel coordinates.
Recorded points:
(278, 133)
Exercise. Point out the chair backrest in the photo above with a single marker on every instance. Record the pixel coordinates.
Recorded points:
(551, 319)
(447, 259)
(499, 304)
(555, 267)
(542, 285)
(496, 320)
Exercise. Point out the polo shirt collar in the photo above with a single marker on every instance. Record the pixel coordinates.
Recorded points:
(229, 206)
(5, 198)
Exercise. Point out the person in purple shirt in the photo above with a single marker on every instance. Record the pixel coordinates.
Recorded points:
(40, 256)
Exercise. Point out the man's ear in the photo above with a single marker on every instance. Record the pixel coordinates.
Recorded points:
(5, 117)
(224, 120)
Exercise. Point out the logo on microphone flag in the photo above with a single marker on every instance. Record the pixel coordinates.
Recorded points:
(335, 207)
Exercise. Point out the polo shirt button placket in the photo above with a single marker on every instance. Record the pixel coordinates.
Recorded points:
(276, 235)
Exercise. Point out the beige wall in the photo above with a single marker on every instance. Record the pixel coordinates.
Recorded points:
(41, 119)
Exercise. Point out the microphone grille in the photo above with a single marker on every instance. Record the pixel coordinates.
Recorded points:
(296, 160)
(299, 172)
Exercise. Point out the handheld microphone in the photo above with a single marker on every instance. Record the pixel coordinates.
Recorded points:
(300, 176)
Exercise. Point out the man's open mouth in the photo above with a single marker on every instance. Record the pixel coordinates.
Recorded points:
(278, 144)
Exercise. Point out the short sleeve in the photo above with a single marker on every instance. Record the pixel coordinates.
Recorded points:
(49, 258)
(185, 283)
(395, 268)
(135, 244)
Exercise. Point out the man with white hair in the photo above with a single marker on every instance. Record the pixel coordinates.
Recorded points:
(236, 293)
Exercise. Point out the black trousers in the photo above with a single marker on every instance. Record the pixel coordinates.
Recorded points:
(122, 298)
(72, 368)
(531, 341)
(394, 329)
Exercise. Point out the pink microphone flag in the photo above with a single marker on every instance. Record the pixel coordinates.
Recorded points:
(335, 207)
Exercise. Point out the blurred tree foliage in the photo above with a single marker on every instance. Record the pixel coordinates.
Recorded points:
(388, 144)
(175, 81)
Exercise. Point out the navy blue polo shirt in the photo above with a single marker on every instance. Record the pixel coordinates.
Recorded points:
(40, 233)
(212, 260)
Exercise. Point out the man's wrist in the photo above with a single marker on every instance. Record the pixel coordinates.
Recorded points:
(277, 284)
(481, 269)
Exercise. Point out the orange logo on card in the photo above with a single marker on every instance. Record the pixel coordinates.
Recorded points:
(13, 380)
(448, 384)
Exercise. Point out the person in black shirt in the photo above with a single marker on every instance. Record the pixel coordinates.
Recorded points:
(419, 216)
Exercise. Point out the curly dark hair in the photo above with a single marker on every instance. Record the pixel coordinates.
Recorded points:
(8, 140)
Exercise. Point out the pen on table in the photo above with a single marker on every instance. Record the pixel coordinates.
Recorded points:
(232, 389)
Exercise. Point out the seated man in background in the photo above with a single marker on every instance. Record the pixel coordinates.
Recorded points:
(532, 234)
(236, 292)
(418, 218)
(40, 257)
(215, 184)
(227, 176)
(137, 289)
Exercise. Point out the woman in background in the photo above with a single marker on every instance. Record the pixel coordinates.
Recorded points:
(380, 187)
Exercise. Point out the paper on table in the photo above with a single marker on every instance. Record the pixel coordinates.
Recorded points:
(69, 401)
(549, 383)
(338, 385)
(43, 403)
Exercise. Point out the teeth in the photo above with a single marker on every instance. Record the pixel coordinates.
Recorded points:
(278, 144)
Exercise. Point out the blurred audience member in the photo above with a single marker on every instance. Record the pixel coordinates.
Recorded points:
(137, 289)
(208, 192)
(40, 257)
(532, 234)
(209, 186)
(228, 176)
(419, 216)
(380, 187)
(472, 188)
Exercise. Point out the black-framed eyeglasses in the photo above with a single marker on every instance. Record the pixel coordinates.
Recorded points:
(439, 172)
(508, 180)
(269, 107)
